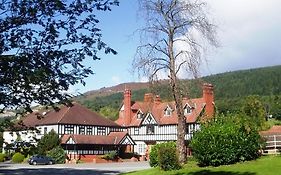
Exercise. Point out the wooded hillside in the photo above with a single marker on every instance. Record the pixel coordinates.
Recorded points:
(230, 90)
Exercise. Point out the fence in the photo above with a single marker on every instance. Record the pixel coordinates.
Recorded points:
(273, 144)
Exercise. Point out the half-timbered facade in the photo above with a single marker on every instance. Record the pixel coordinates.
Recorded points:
(82, 131)
(152, 120)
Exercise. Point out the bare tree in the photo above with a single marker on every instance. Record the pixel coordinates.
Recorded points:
(174, 38)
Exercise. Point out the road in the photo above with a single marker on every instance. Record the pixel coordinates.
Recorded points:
(72, 169)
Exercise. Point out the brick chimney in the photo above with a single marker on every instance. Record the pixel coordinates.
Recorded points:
(148, 97)
(208, 95)
(157, 100)
(127, 107)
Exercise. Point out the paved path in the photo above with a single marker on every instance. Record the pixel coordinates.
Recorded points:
(72, 169)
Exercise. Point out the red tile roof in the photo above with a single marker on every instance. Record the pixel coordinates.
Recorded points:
(157, 110)
(275, 130)
(76, 115)
(114, 138)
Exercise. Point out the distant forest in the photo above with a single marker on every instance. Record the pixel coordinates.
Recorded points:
(231, 89)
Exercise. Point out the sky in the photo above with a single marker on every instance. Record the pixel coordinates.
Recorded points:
(249, 32)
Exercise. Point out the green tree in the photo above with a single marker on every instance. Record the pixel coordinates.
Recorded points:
(48, 142)
(255, 110)
(109, 112)
(1, 141)
(43, 45)
(226, 140)
(58, 154)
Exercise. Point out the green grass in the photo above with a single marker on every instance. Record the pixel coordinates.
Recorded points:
(266, 165)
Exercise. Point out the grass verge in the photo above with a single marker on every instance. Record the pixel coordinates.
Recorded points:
(266, 165)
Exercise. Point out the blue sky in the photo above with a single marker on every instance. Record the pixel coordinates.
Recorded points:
(249, 32)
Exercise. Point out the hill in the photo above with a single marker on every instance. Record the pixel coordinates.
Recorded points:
(230, 90)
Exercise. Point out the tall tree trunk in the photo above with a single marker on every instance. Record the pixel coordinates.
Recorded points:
(176, 91)
(181, 131)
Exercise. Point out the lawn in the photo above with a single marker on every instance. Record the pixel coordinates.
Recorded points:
(266, 165)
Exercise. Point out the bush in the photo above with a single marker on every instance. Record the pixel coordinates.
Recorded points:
(226, 140)
(112, 155)
(2, 157)
(165, 156)
(18, 158)
(153, 155)
(57, 154)
(48, 142)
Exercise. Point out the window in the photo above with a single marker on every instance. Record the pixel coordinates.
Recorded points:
(69, 129)
(168, 111)
(150, 129)
(136, 131)
(82, 130)
(139, 115)
(141, 148)
(89, 130)
(101, 130)
(187, 110)
(45, 130)
(192, 128)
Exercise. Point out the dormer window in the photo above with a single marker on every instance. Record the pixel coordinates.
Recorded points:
(139, 115)
(168, 111)
(187, 109)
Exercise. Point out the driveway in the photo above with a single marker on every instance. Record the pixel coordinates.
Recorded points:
(72, 169)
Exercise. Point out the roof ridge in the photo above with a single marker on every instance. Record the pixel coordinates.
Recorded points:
(68, 107)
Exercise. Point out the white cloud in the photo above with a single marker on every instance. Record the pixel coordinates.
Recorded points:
(249, 33)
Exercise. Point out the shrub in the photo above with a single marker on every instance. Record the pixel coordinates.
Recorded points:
(48, 142)
(112, 155)
(57, 154)
(167, 157)
(18, 158)
(224, 141)
(2, 157)
(153, 155)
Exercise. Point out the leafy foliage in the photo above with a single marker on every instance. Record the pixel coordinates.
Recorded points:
(58, 154)
(109, 113)
(48, 142)
(226, 140)
(112, 155)
(18, 158)
(168, 157)
(2, 157)
(153, 155)
(255, 110)
(48, 40)
(165, 156)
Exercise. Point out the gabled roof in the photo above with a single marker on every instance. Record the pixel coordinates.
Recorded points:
(114, 138)
(157, 111)
(76, 115)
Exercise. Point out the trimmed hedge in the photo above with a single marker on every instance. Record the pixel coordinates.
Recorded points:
(18, 158)
(226, 141)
